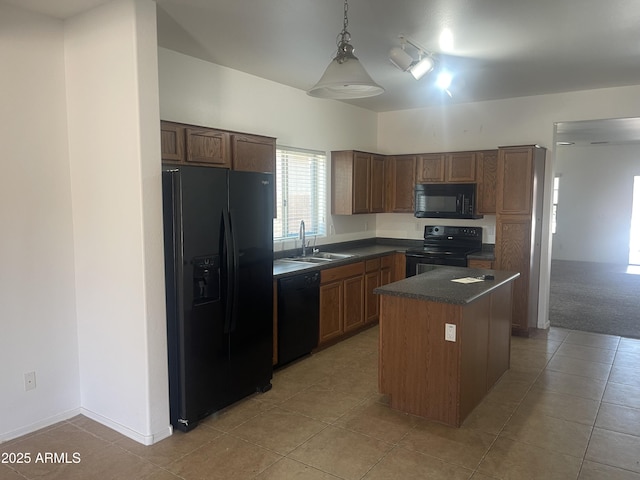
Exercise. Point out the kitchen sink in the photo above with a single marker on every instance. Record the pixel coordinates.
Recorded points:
(318, 258)
(332, 256)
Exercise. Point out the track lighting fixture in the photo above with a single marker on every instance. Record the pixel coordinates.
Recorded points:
(405, 62)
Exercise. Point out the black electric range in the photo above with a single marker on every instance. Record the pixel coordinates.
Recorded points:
(444, 245)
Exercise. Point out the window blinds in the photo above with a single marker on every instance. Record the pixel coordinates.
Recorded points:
(301, 192)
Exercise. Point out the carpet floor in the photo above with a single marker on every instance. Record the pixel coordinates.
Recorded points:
(595, 297)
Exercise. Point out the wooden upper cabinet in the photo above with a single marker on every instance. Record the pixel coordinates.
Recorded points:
(515, 186)
(253, 153)
(357, 183)
(208, 146)
(487, 172)
(460, 167)
(430, 168)
(377, 193)
(172, 142)
(361, 182)
(456, 167)
(400, 182)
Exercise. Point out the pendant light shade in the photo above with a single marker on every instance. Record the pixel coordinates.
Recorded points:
(345, 80)
(345, 77)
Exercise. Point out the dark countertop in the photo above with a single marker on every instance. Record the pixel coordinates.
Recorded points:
(284, 268)
(436, 285)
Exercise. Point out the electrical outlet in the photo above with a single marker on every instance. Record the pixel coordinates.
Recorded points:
(449, 332)
(366, 226)
(29, 381)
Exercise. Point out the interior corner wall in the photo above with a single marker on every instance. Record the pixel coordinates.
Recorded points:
(115, 185)
(197, 92)
(37, 299)
(595, 197)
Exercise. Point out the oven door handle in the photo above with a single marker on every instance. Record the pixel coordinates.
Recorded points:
(415, 255)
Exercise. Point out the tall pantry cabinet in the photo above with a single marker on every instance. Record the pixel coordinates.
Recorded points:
(520, 180)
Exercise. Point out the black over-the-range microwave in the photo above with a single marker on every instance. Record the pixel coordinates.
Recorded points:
(445, 200)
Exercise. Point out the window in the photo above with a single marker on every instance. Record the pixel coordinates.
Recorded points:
(554, 212)
(301, 178)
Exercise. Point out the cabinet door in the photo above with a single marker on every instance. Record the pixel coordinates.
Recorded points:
(480, 264)
(461, 167)
(371, 307)
(205, 145)
(487, 178)
(399, 267)
(353, 303)
(331, 311)
(515, 174)
(376, 202)
(430, 168)
(361, 182)
(172, 142)
(386, 269)
(252, 153)
(400, 184)
(513, 247)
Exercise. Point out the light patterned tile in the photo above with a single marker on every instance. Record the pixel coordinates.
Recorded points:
(569, 384)
(462, 446)
(614, 449)
(619, 418)
(555, 434)
(575, 366)
(407, 465)
(279, 430)
(510, 459)
(598, 471)
(341, 452)
(620, 394)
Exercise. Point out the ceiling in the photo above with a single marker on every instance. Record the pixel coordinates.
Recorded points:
(501, 48)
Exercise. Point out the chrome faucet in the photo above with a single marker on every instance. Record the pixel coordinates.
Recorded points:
(302, 237)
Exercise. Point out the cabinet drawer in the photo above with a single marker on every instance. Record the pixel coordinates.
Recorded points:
(337, 273)
(372, 265)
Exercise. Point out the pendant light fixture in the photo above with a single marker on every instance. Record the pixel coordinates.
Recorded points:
(345, 77)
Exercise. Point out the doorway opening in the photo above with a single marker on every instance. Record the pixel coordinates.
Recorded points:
(634, 238)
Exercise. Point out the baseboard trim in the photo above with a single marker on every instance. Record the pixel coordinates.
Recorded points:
(147, 440)
(39, 425)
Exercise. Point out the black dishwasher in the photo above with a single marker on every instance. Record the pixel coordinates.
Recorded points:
(298, 316)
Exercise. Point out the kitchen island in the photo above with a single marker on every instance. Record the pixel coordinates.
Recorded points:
(444, 344)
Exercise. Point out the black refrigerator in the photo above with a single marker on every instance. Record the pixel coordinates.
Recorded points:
(218, 234)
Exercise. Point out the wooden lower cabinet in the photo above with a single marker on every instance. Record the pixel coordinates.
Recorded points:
(347, 301)
(473, 263)
(353, 292)
(399, 269)
(371, 282)
(513, 247)
(331, 311)
(341, 301)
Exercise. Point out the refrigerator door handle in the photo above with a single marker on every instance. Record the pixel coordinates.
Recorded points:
(235, 281)
(229, 281)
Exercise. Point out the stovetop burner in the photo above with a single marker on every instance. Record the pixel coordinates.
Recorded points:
(449, 241)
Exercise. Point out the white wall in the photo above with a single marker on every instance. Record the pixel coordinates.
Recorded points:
(112, 98)
(483, 125)
(37, 302)
(594, 204)
(202, 93)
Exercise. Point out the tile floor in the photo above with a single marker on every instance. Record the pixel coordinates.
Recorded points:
(569, 408)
